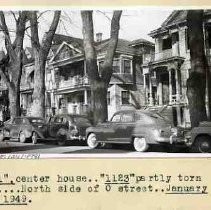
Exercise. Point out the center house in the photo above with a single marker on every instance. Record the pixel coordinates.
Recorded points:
(67, 83)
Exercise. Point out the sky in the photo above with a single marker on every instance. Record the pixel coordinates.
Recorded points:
(134, 24)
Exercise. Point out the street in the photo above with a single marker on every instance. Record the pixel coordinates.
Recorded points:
(74, 148)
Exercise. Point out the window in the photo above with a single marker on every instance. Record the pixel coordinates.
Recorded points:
(108, 98)
(126, 66)
(125, 97)
(167, 43)
(116, 118)
(116, 66)
(61, 103)
(100, 64)
(128, 117)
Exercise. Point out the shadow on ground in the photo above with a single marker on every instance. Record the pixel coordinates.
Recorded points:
(128, 148)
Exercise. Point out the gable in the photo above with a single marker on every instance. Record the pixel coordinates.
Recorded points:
(65, 51)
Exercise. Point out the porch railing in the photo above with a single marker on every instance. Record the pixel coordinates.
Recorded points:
(76, 81)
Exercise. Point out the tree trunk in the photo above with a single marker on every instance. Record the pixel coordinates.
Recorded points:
(196, 83)
(14, 101)
(99, 83)
(99, 101)
(40, 55)
(38, 105)
(11, 65)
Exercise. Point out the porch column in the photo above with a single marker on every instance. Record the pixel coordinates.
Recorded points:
(170, 87)
(85, 97)
(85, 67)
(150, 91)
(145, 90)
(177, 85)
(160, 91)
(179, 120)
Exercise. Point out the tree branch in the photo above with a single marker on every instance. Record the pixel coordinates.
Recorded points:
(47, 40)
(5, 30)
(34, 30)
(107, 66)
(3, 63)
(89, 49)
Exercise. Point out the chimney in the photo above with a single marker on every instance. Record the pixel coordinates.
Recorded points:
(99, 37)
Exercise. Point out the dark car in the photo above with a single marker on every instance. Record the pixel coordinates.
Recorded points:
(67, 127)
(140, 128)
(199, 138)
(24, 128)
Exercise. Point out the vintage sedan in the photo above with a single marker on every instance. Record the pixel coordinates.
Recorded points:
(140, 128)
(67, 127)
(24, 128)
(199, 138)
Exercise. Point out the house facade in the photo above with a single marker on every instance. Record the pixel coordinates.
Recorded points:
(165, 75)
(67, 83)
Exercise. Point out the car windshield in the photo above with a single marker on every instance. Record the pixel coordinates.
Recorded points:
(36, 120)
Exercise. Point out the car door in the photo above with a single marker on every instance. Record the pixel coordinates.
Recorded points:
(55, 123)
(124, 128)
(15, 127)
(111, 128)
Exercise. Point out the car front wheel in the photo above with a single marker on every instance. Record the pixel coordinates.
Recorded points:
(202, 144)
(34, 138)
(140, 144)
(92, 141)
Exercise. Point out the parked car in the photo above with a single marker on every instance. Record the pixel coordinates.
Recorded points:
(24, 128)
(67, 127)
(140, 128)
(199, 138)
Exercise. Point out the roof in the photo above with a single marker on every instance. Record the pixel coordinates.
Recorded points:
(60, 38)
(141, 41)
(175, 18)
(122, 46)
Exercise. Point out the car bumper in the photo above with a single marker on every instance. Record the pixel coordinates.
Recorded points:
(173, 139)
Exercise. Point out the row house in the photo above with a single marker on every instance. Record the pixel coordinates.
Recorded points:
(67, 83)
(165, 75)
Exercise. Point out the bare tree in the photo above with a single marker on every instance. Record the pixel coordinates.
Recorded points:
(196, 83)
(11, 65)
(99, 83)
(40, 51)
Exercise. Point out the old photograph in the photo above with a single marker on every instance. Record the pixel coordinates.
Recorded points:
(133, 81)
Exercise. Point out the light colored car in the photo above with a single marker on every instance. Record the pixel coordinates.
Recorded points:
(199, 138)
(140, 128)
